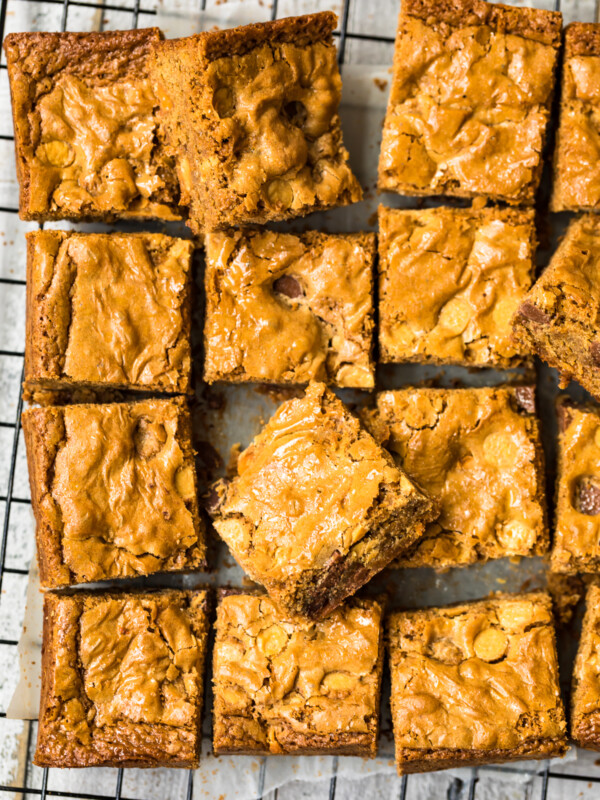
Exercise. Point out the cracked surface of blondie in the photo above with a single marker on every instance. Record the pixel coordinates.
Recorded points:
(450, 281)
(122, 679)
(470, 99)
(293, 687)
(287, 308)
(476, 683)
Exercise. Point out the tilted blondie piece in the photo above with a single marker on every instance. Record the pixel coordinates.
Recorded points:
(317, 507)
(108, 311)
(558, 318)
(122, 679)
(476, 683)
(286, 308)
(479, 453)
(252, 113)
(87, 138)
(576, 546)
(577, 151)
(470, 100)
(450, 281)
(296, 687)
(114, 490)
(585, 693)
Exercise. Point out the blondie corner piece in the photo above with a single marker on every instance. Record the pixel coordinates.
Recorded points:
(253, 115)
(113, 490)
(108, 311)
(576, 184)
(576, 546)
(289, 308)
(476, 683)
(302, 688)
(470, 100)
(122, 679)
(450, 281)
(585, 693)
(479, 453)
(558, 318)
(317, 507)
(87, 139)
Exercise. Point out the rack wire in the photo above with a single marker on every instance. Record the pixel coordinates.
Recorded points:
(458, 789)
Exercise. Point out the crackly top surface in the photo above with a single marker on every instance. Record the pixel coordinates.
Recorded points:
(279, 684)
(109, 308)
(88, 141)
(480, 676)
(450, 281)
(282, 307)
(119, 487)
(577, 154)
(478, 452)
(122, 678)
(469, 105)
(585, 708)
(308, 490)
(577, 531)
(263, 139)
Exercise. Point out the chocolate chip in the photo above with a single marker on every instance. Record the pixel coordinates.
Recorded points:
(525, 396)
(213, 499)
(530, 311)
(148, 437)
(288, 286)
(587, 495)
(595, 353)
(563, 413)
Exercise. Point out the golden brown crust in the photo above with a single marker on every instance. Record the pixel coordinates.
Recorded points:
(59, 82)
(585, 703)
(266, 289)
(122, 679)
(476, 683)
(108, 312)
(285, 687)
(138, 513)
(582, 39)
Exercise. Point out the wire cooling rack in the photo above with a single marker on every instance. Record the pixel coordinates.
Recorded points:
(546, 778)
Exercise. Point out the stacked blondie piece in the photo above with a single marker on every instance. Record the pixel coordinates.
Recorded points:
(229, 130)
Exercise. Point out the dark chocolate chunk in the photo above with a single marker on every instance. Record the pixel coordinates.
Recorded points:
(595, 353)
(289, 286)
(530, 311)
(563, 412)
(215, 496)
(587, 495)
(525, 396)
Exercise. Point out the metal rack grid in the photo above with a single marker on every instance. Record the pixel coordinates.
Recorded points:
(458, 790)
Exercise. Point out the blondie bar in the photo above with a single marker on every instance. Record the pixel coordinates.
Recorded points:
(585, 694)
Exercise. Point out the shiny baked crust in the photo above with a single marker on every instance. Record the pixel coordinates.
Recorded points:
(252, 113)
(287, 308)
(87, 139)
(470, 99)
(108, 311)
(122, 679)
(576, 545)
(479, 453)
(113, 490)
(577, 152)
(476, 683)
(557, 319)
(296, 687)
(585, 691)
(450, 281)
(317, 507)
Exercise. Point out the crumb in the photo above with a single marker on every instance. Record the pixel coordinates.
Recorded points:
(380, 83)
(279, 393)
(566, 591)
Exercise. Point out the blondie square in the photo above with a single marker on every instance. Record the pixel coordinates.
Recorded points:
(252, 113)
(287, 308)
(585, 694)
(577, 151)
(470, 100)
(122, 679)
(108, 311)
(479, 453)
(476, 683)
(317, 506)
(558, 318)
(87, 138)
(285, 687)
(576, 546)
(450, 281)
(113, 490)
